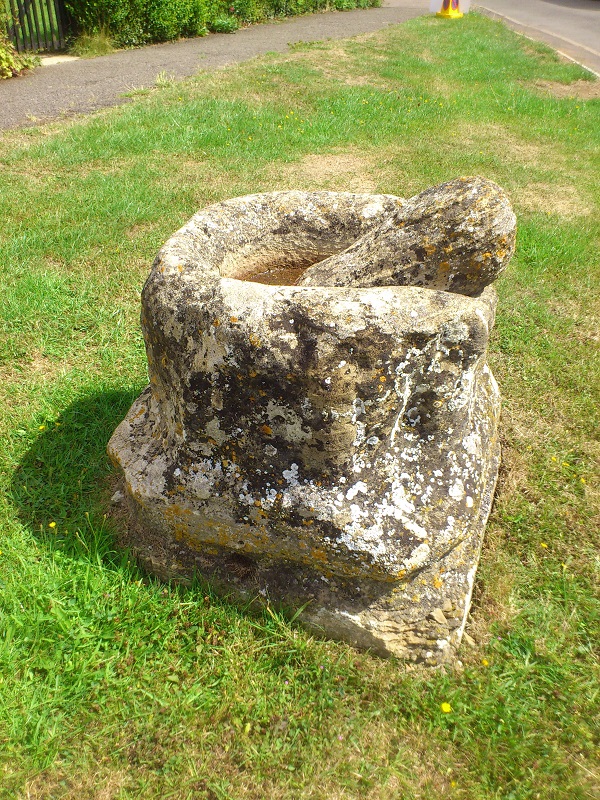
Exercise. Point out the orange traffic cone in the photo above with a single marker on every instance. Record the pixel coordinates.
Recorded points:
(450, 10)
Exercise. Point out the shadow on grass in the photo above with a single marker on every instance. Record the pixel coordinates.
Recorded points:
(62, 490)
(62, 486)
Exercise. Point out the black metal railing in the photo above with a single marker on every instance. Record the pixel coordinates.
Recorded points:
(35, 24)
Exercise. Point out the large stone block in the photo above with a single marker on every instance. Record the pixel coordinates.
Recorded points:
(327, 446)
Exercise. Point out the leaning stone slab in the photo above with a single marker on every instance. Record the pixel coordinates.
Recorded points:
(457, 237)
(332, 448)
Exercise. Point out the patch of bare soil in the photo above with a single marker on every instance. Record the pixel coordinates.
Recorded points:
(581, 90)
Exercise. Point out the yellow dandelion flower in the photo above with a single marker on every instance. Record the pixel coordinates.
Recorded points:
(41, 428)
(485, 662)
(544, 545)
(52, 525)
(582, 480)
(446, 708)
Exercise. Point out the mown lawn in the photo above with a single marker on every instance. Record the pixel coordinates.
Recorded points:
(115, 686)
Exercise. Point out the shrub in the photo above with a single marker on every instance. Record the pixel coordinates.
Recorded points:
(11, 62)
(224, 24)
(136, 22)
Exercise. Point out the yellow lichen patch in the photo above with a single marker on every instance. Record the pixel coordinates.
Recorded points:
(140, 413)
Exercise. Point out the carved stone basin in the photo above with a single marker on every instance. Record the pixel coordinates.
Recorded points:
(332, 447)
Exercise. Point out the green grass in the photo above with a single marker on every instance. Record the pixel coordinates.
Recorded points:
(91, 45)
(115, 686)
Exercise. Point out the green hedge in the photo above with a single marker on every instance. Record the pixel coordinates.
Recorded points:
(135, 22)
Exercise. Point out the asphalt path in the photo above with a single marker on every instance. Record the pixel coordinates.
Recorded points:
(79, 86)
(84, 85)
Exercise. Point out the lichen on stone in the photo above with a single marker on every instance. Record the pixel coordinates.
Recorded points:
(320, 407)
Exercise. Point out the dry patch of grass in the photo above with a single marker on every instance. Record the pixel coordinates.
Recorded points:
(347, 171)
(579, 90)
(564, 200)
(501, 140)
(338, 64)
(96, 785)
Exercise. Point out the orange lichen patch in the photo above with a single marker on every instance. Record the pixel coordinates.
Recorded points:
(268, 431)
(438, 583)
(139, 413)
(175, 510)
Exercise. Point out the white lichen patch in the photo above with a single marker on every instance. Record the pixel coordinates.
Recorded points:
(347, 432)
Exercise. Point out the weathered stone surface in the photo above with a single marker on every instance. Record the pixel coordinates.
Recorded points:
(457, 237)
(334, 446)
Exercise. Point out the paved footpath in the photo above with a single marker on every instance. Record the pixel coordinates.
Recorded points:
(82, 85)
